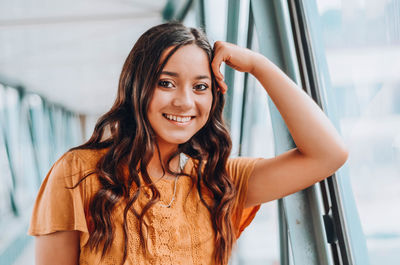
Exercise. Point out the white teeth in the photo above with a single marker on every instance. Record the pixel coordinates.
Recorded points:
(178, 118)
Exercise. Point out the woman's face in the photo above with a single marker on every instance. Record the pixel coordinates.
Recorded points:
(182, 97)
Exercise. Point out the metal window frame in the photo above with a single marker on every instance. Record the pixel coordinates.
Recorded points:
(13, 204)
(15, 241)
(343, 230)
(300, 214)
(178, 9)
(249, 42)
(232, 33)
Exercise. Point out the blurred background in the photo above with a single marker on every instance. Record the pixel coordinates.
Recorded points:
(59, 67)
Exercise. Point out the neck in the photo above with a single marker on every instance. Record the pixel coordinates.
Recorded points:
(159, 160)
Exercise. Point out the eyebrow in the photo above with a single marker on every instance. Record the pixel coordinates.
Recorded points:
(174, 74)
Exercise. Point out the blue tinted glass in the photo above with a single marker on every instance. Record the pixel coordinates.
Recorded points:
(5, 171)
(20, 148)
(359, 58)
(41, 132)
(259, 243)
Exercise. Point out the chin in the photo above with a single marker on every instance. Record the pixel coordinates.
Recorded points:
(181, 141)
(174, 141)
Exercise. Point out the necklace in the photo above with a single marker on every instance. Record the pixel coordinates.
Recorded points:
(182, 161)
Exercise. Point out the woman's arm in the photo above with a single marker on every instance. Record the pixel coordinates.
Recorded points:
(57, 248)
(320, 151)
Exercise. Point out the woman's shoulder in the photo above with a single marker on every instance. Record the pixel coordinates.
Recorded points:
(89, 157)
(241, 165)
(65, 193)
(76, 163)
(85, 159)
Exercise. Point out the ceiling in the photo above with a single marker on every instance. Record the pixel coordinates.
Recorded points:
(71, 52)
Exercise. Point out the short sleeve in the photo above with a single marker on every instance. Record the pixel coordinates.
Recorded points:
(59, 206)
(240, 170)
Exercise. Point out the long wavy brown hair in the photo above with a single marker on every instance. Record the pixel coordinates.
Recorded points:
(132, 142)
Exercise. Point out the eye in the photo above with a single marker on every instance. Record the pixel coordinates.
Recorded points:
(165, 83)
(200, 87)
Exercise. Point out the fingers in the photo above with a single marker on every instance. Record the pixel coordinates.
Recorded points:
(222, 86)
(216, 66)
(239, 59)
(220, 80)
(217, 61)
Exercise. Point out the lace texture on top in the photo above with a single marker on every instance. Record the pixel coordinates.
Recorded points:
(182, 234)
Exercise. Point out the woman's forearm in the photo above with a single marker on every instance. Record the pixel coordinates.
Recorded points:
(313, 133)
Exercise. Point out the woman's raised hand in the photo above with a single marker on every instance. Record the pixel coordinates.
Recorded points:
(240, 59)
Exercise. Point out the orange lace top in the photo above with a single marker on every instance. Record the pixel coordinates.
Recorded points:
(182, 234)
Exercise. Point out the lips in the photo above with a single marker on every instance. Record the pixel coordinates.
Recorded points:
(178, 118)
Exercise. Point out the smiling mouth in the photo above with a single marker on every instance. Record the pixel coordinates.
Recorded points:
(177, 118)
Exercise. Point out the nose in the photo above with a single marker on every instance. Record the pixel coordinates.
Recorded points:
(183, 98)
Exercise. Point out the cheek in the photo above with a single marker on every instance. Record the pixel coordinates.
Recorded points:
(150, 111)
(206, 107)
(156, 102)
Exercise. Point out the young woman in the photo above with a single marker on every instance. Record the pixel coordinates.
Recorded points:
(154, 184)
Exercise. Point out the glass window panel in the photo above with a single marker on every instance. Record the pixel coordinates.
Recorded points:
(361, 52)
(76, 131)
(20, 147)
(259, 243)
(5, 172)
(29, 168)
(74, 136)
(41, 132)
(47, 109)
(191, 19)
(59, 130)
(215, 15)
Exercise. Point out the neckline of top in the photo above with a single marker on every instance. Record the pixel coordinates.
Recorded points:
(183, 159)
